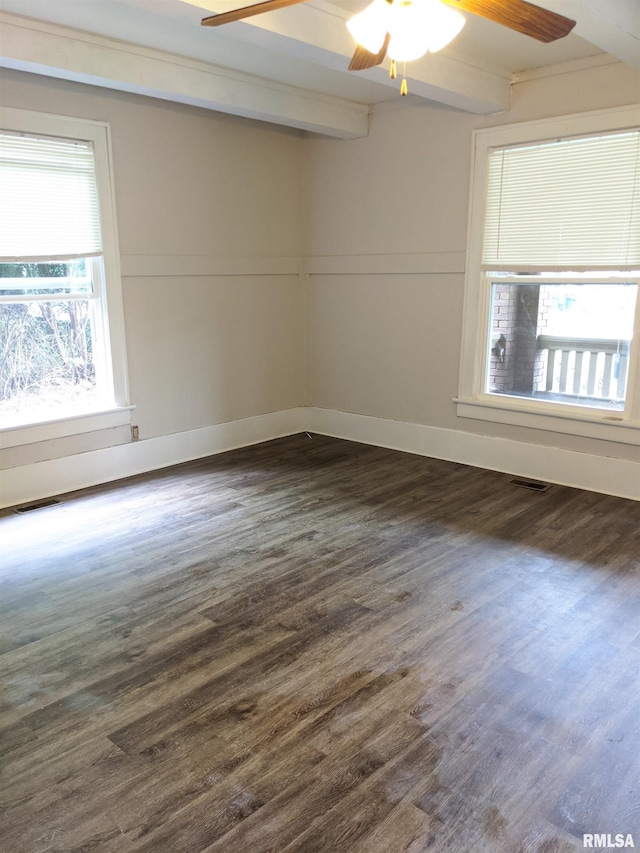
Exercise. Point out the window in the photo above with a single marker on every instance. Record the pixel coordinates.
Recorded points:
(562, 340)
(61, 330)
(551, 298)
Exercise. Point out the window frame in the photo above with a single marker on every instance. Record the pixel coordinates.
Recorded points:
(472, 400)
(107, 281)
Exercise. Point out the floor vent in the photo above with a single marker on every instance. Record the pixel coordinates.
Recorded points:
(532, 485)
(38, 505)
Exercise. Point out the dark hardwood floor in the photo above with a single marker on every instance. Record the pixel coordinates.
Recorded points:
(314, 645)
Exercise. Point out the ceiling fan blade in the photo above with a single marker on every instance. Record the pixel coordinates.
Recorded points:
(363, 59)
(518, 15)
(247, 12)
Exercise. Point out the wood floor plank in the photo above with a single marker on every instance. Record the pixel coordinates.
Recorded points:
(314, 645)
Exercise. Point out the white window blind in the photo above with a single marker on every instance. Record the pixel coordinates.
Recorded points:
(566, 204)
(49, 195)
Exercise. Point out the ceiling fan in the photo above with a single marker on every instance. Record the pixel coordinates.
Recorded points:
(518, 15)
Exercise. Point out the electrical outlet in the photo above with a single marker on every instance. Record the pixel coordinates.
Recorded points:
(135, 433)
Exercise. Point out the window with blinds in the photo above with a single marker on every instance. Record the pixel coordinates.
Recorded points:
(568, 204)
(55, 329)
(54, 210)
(554, 268)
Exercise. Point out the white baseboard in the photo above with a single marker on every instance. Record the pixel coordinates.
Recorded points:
(55, 476)
(534, 461)
(551, 464)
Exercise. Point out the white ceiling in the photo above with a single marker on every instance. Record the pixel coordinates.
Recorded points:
(296, 55)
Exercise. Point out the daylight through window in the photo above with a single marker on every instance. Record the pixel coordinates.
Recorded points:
(54, 330)
(554, 270)
(565, 340)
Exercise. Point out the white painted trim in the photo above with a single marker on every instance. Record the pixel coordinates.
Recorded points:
(157, 266)
(43, 48)
(570, 67)
(594, 424)
(63, 427)
(552, 464)
(383, 264)
(594, 121)
(57, 476)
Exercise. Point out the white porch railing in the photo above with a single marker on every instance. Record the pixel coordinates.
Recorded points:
(585, 368)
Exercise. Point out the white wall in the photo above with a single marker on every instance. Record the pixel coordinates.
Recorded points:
(210, 230)
(209, 349)
(227, 341)
(386, 243)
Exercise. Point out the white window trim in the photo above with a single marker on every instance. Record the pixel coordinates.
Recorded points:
(100, 134)
(63, 427)
(472, 401)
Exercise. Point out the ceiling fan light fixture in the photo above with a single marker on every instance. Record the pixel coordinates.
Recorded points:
(408, 20)
(444, 24)
(414, 27)
(418, 26)
(369, 27)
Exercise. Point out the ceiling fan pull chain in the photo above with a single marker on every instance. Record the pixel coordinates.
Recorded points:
(393, 71)
(403, 85)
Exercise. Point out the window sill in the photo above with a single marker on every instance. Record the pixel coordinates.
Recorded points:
(605, 427)
(63, 427)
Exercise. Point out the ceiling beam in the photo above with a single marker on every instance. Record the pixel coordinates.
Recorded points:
(316, 31)
(447, 81)
(55, 51)
(613, 27)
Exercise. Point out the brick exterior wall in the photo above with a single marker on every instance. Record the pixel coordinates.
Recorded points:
(519, 316)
